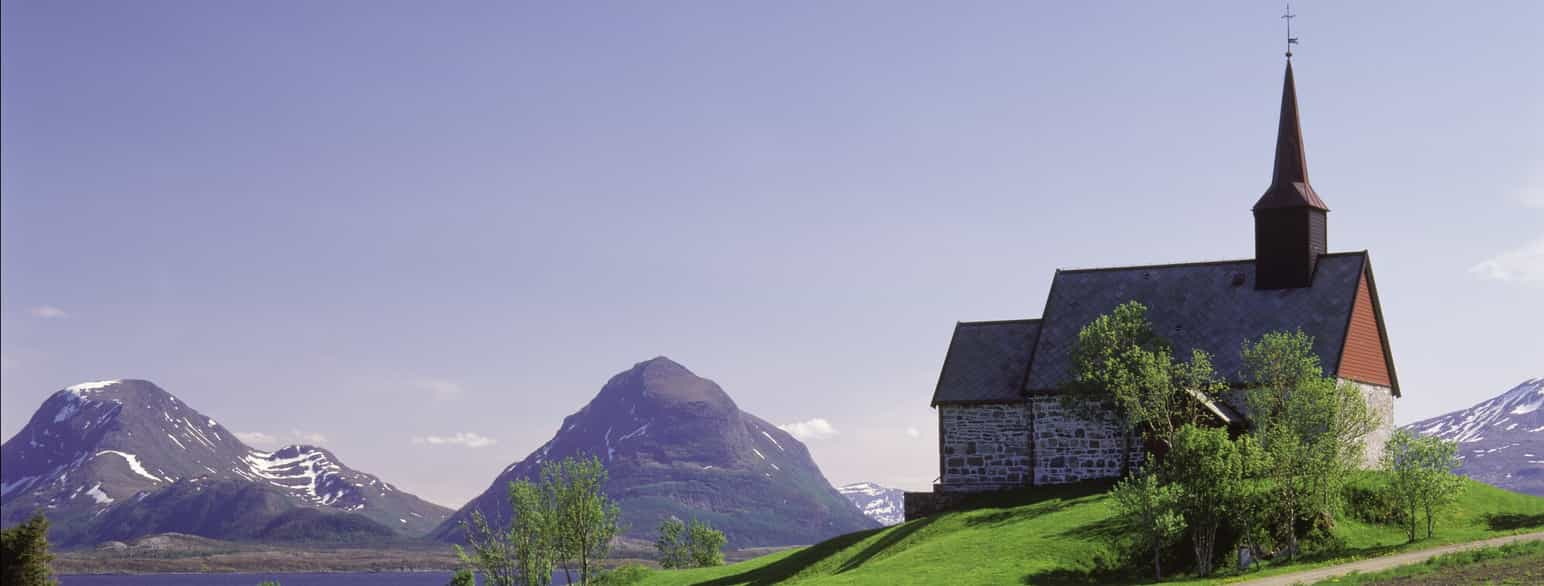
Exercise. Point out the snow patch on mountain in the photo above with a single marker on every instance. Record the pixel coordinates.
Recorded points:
(84, 388)
(134, 465)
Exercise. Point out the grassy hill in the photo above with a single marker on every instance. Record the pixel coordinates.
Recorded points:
(1060, 536)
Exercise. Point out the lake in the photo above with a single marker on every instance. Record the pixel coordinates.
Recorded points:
(329, 579)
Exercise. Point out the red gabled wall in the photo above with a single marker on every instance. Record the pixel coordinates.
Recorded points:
(1362, 359)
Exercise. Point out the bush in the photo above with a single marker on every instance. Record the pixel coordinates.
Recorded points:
(623, 575)
(463, 577)
(1367, 499)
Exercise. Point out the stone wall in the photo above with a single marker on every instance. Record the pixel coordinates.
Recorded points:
(1071, 446)
(926, 504)
(1380, 401)
(984, 447)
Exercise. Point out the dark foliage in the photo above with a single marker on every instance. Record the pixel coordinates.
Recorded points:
(25, 557)
(1371, 502)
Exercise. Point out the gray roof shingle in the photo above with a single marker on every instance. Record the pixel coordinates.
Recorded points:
(1211, 306)
(986, 362)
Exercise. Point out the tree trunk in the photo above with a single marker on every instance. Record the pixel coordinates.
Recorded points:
(1157, 568)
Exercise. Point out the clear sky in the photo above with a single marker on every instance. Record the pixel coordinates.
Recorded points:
(421, 234)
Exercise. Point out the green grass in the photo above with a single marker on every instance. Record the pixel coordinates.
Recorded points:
(1442, 568)
(1060, 536)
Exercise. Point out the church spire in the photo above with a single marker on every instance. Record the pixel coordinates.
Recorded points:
(1289, 180)
(1291, 227)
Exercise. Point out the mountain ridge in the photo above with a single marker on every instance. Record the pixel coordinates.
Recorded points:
(99, 450)
(1500, 439)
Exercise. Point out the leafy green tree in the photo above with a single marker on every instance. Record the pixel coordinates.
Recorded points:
(1309, 425)
(1207, 470)
(532, 534)
(705, 544)
(24, 555)
(1421, 478)
(463, 577)
(1119, 359)
(1442, 486)
(585, 520)
(492, 552)
(1147, 511)
(672, 544)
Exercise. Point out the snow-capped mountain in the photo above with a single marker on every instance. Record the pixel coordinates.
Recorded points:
(100, 445)
(885, 505)
(675, 444)
(1501, 440)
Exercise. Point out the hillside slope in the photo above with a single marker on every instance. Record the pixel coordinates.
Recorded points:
(1044, 536)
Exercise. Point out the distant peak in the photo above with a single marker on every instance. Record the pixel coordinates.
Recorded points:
(662, 362)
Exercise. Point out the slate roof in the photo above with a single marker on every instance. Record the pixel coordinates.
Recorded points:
(986, 362)
(1212, 306)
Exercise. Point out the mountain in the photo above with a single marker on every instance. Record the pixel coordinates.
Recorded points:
(675, 444)
(884, 505)
(119, 459)
(1501, 440)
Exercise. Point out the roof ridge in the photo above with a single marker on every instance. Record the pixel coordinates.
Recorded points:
(994, 322)
(1194, 263)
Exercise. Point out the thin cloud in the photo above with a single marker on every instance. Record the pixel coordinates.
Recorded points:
(913, 432)
(257, 439)
(439, 389)
(268, 441)
(811, 429)
(1523, 265)
(464, 439)
(48, 312)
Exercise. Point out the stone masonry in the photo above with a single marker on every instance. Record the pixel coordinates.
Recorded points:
(1380, 402)
(984, 446)
(1070, 447)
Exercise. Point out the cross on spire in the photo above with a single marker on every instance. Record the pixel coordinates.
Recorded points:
(1291, 40)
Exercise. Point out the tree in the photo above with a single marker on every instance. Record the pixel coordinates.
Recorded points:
(1207, 469)
(1119, 359)
(1146, 510)
(706, 544)
(24, 555)
(583, 517)
(1310, 426)
(672, 544)
(566, 518)
(1421, 477)
(1441, 486)
(492, 552)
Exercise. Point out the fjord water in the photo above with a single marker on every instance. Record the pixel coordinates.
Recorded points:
(320, 579)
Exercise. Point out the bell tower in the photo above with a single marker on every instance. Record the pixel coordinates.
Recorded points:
(1290, 219)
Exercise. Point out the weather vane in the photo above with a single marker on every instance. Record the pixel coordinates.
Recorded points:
(1291, 40)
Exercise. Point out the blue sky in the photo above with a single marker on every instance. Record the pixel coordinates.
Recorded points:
(377, 225)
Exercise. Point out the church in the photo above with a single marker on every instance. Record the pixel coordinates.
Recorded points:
(1001, 422)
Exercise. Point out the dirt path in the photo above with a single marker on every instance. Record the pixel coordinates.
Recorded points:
(1384, 563)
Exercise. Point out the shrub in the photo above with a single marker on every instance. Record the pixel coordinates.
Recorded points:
(1369, 500)
(623, 575)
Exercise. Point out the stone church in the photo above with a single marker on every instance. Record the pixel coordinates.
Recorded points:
(1001, 423)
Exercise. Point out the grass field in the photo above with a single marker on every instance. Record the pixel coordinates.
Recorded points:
(1517, 563)
(1061, 536)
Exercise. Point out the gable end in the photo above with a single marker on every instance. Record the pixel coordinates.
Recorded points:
(1365, 357)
